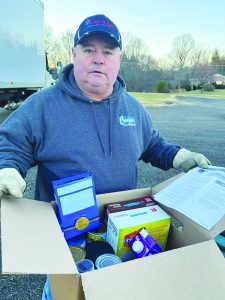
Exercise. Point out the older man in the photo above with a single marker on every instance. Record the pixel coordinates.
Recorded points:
(87, 121)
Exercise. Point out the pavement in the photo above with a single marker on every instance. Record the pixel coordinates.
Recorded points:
(197, 124)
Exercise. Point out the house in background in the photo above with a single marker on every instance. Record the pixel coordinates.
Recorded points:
(219, 79)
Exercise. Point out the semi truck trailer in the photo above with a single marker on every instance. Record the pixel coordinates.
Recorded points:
(23, 60)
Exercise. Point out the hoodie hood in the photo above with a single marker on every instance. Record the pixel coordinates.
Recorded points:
(67, 83)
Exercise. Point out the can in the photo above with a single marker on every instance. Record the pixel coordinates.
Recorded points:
(85, 265)
(79, 241)
(106, 260)
(98, 234)
(97, 248)
(78, 253)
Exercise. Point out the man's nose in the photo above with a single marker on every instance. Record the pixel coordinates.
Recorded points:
(98, 58)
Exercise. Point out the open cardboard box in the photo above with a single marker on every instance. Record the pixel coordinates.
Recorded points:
(32, 243)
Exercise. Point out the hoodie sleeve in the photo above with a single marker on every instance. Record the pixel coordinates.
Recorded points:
(157, 151)
(16, 141)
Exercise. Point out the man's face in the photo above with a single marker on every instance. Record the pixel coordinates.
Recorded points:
(96, 66)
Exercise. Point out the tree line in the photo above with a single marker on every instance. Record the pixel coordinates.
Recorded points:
(189, 65)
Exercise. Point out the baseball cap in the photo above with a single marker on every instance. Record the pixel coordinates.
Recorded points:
(98, 24)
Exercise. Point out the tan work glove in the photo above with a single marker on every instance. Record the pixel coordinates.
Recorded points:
(11, 183)
(186, 160)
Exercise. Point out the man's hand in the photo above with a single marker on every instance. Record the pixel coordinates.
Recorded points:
(11, 183)
(186, 160)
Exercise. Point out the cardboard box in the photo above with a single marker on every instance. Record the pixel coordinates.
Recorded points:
(124, 226)
(32, 243)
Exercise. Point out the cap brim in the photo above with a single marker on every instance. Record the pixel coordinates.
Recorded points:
(100, 32)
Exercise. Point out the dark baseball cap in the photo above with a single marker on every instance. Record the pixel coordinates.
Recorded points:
(98, 24)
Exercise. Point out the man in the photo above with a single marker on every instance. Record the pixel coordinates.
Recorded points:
(87, 121)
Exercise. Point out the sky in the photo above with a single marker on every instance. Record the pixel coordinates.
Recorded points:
(156, 22)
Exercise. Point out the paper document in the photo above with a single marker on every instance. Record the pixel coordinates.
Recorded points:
(199, 194)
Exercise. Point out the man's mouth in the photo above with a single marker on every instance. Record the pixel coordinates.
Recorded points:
(97, 72)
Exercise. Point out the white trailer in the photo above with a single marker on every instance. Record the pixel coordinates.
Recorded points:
(22, 51)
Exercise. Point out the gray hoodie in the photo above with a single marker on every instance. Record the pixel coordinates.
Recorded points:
(64, 132)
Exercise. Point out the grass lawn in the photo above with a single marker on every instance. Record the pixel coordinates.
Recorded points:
(157, 99)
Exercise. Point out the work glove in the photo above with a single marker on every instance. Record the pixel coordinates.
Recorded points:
(186, 160)
(11, 183)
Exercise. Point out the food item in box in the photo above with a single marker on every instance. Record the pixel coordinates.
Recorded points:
(85, 265)
(78, 253)
(98, 234)
(97, 248)
(144, 245)
(124, 226)
(106, 260)
(128, 204)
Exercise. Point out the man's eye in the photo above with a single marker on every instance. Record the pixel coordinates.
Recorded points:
(89, 51)
(108, 53)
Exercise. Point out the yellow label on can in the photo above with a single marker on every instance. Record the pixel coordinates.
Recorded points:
(95, 237)
(81, 223)
(99, 234)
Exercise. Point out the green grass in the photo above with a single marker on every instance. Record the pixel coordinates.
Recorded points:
(213, 94)
(159, 99)
(154, 99)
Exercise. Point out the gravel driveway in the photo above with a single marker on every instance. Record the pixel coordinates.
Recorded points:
(195, 123)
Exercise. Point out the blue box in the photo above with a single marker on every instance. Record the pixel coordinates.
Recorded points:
(77, 205)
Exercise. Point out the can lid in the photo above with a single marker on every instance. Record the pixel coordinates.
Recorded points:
(85, 265)
(106, 260)
(78, 253)
(137, 246)
(77, 241)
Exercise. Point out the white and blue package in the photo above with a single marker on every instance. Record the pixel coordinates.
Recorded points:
(76, 202)
(144, 245)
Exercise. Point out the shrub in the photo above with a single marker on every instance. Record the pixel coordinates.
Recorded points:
(208, 87)
(220, 86)
(187, 87)
(161, 87)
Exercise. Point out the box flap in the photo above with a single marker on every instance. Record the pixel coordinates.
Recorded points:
(193, 272)
(165, 183)
(32, 241)
(217, 229)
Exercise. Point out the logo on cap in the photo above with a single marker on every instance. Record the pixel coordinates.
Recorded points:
(95, 24)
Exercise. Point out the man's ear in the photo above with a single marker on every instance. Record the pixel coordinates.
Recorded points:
(74, 51)
(121, 56)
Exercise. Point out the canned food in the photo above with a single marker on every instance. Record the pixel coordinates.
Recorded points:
(97, 248)
(106, 260)
(98, 234)
(79, 241)
(85, 265)
(78, 253)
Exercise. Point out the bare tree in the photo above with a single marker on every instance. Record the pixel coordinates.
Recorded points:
(66, 41)
(200, 56)
(137, 64)
(182, 50)
(134, 48)
(52, 47)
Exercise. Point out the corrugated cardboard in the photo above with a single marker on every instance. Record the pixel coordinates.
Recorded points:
(32, 242)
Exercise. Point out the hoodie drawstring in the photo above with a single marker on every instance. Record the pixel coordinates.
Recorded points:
(110, 128)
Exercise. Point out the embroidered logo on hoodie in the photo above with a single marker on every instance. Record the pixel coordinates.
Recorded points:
(127, 120)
